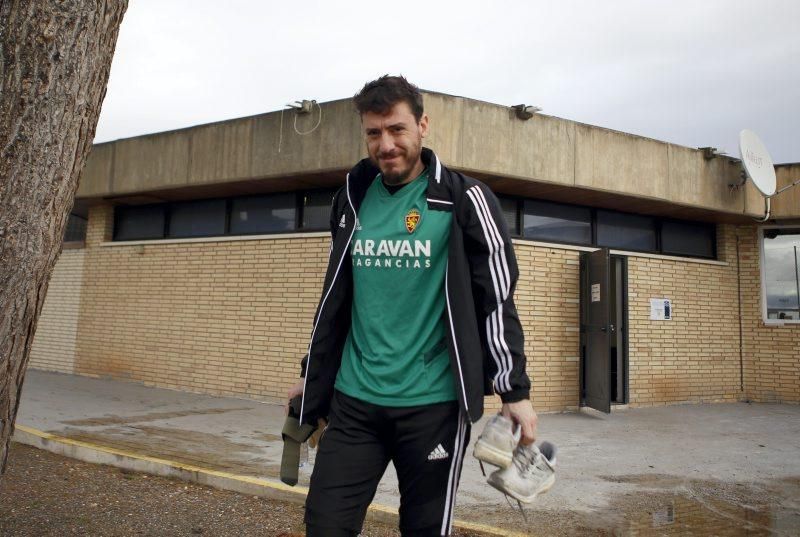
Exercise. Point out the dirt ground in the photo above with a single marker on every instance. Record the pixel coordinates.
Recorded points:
(43, 494)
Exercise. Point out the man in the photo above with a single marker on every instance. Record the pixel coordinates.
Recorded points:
(415, 325)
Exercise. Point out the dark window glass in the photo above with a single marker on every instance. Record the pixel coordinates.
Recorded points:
(317, 209)
(263, 214)
(144, 222)
(547, 221)
(782, 273)
(688, 238)
(197, 218)
(508, 206)
(626, 231)
(76, 229)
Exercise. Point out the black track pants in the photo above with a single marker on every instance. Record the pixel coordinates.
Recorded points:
(426, 445)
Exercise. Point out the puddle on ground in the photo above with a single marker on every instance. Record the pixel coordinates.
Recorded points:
(705, 507)
(666, 506)
(659, 514)
(152, 416)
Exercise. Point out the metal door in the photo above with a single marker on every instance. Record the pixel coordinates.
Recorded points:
(595, 301)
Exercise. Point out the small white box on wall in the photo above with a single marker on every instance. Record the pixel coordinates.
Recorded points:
(660, 309)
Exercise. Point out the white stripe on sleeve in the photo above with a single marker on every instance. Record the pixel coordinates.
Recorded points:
(498, 268)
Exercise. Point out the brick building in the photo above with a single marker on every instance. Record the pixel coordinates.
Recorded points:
(194, 258)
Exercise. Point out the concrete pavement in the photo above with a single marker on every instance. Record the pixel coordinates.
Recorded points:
(667, 454)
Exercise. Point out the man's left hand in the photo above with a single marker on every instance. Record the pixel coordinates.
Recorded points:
(522, 413)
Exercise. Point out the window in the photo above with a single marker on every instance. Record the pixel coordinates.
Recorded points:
(781, 273)
(197, 218)
(245, 215)
(76, 229)
(572, 224)
(263, 214)
(547, 221)
(317, 209)
(509, 208)
(310, 211)
(626, 231)
(688, 238)
(142, 222)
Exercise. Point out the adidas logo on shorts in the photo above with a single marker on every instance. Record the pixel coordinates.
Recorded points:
(438, 454)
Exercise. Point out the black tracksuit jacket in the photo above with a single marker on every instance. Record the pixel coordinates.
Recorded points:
(485, 339)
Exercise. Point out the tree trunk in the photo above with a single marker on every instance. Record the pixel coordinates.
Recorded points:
(54, 63)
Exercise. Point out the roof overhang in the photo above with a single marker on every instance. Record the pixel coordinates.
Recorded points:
(543, 156)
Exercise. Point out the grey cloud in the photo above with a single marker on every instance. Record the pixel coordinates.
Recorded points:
(692, 73)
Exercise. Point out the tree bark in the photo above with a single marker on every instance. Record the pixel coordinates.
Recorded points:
(54, 63)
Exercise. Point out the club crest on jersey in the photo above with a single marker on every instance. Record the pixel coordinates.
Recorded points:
(412, 220)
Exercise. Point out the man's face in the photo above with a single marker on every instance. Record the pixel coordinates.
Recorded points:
(394, 142)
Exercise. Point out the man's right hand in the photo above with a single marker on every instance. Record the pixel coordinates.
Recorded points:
(522, 413)
(294, 391)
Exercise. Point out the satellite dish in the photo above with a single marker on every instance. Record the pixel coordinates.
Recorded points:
(757, 163)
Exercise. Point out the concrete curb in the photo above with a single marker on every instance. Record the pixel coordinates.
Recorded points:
(254, 486)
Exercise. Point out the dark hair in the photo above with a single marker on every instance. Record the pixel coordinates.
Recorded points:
(379, 96)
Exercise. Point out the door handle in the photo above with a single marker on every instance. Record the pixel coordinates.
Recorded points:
(603, 329)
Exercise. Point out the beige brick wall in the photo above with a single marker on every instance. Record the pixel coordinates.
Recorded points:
(227, 318)
(695, 356)
(230, 317)
(772, 365)
(547, 300)
(54, 343)
(233, 317)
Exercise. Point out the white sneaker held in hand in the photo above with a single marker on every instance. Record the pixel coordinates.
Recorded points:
(497, 442)
(531, 473)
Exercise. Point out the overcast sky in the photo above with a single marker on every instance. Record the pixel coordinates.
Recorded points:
(693, 73)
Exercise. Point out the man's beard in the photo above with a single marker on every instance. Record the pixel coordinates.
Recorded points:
(398, 176)
(395, 178)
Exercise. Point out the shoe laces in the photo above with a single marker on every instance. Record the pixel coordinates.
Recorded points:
(508, 500)
(527, 461)
(519, 505)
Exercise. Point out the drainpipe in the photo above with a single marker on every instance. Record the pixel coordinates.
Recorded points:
(739, 296)
(797, 278)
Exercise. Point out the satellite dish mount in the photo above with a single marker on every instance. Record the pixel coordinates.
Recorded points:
(759, 169)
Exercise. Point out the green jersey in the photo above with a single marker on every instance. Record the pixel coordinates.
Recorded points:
(396, 354)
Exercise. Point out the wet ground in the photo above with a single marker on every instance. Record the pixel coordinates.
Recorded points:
(669, 506)
(725, 469)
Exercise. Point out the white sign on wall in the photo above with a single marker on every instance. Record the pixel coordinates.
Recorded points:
(595, 292)
(660, 309)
